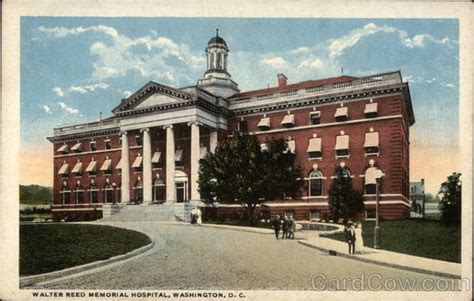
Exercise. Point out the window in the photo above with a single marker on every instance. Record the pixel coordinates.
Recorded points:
(63, 171)
(107, 166)
(77, 170)
(291, 146)
(158, 190)
(242, 126)
(79, 194)
(371, 143)
(264, 124)
(138, 140)
(178, 157)
(314, 148)
(370, 179)
(108, 144)
(288, 121)
(370, 189)
(315, 183)
(137, 164)
(342, 114)
(92, 168)
(77, 147)
(315, 117)
(93, 193)
(370, 110)
(65, 194)
(108, 193)
(370, 213)
(315, 215)
(342, 146)
(138, 191)
(156, 160)
(92, 146)
(63, 149)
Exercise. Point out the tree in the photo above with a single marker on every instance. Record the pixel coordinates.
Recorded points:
(344, 201)
(450, 203)
(240, 171)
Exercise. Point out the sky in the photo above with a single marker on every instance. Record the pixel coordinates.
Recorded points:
(73, 68)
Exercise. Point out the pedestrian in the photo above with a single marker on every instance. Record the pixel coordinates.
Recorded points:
(276, 224)
(285, 226)
(193, 216)
(291, 228)
(198, 216)
(349, 235)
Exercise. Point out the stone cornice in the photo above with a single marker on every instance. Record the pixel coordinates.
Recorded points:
(314, 100)
(89, 134)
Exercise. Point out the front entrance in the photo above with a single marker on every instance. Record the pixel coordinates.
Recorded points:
(181, 182)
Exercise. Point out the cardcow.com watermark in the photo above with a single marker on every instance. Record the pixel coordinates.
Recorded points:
(375, 282)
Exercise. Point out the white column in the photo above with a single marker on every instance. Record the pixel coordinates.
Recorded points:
(147, 189)
(212, 141)
(195, 150)
(125, 170)
(170, 166)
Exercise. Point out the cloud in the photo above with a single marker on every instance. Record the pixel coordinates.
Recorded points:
(46, 109)
(58, 91)
(449, 85)
(300, 50)
(127, 93)
(88, 88)
(61, 32)
(275, 63)
(337, 46)
(67, 108)
(312, 63)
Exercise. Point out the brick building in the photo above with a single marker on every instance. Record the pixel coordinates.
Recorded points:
(148, 152)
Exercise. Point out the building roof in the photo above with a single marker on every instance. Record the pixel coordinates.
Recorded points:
(217, 40)
(295, 86)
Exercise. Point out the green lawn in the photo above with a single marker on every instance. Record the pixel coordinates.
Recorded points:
(50, 247)
(258, 224)
(424, 238)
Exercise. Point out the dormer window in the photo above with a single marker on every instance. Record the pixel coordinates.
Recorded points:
(315, 117)
(342, 114)
(371, 143)
(342, 146)
(370, 110)
(264, 124)
(288, 121)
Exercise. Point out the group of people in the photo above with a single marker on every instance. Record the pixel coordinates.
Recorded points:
(196, 216)
(286, 224)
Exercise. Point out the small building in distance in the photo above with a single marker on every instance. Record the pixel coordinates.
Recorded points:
(417, 197)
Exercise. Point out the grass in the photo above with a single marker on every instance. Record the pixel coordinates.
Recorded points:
(258, 224)
(50, 247)
(424, 238)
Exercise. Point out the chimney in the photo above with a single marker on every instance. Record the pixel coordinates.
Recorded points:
(281, 80)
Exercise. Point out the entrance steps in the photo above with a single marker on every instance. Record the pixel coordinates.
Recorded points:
(147, 212)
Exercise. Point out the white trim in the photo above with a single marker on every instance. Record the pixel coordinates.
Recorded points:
(305, 127)
(89, 152)
(79, 209)
(386, 202)
(295, 204)
(315, 197)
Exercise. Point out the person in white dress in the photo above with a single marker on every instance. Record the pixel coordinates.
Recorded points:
(199, 215)
(359, 242)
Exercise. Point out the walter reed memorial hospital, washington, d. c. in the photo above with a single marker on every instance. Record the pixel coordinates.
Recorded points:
(147, 154)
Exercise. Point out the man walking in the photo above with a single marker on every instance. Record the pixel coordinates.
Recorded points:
(349, 235)
(276, 224)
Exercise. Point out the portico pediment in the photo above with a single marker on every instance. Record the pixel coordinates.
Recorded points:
(151, 95)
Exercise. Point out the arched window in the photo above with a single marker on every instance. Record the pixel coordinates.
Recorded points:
(93, 193)
(65, 193)
(315, 183)
(138, 191)
(158, 190)
(109, 193)
(79, 193)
